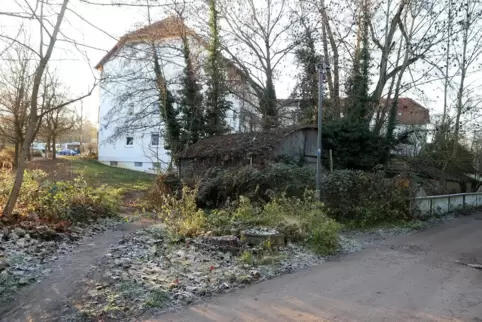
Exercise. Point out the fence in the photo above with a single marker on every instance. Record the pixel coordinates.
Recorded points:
(437, 205)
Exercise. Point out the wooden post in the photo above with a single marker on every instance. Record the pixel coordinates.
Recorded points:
(331, 160)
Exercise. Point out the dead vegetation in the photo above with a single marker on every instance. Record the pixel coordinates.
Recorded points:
(7, 158)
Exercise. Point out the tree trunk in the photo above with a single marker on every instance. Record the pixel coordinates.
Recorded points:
(329, 76)
(47, 147)
(54, 148)
(382, 79)
(336, 67)
(463, 74)
(17, 154)
(393, 111)
(21, 166)
(381, 115)
(447, 63)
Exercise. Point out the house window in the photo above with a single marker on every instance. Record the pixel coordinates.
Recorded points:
(130, 110)
(129, 141)
(155, 139)
(113, 163)
(137, 164)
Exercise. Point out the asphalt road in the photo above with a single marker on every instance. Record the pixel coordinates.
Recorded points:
(420, 277)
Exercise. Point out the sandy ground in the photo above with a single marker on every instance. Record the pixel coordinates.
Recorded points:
(412, 278)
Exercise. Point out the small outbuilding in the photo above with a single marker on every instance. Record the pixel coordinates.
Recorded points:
(250, 148)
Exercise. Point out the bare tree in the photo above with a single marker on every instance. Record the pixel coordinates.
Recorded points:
(15, 87)
(467, 52)
(56, 121)
(256, 41)
(49, 33)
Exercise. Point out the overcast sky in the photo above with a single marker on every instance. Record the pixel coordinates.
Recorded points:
(75, 66)
(98, 31)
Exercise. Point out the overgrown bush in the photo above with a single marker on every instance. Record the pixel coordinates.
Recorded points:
(353, 145)
(299, 219)
(7, 158)
(36, 154)
(89, 156)
(165, 184)
(304, 219)
(68, 200)
(181, 214)
(365, 199)
(77, 201)
(219, 186)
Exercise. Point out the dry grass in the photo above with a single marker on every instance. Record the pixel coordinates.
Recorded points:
(7, 158)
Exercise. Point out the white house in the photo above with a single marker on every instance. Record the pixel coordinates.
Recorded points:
(130, 128)
(411, 117)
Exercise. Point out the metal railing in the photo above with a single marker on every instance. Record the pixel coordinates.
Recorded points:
(446, 203)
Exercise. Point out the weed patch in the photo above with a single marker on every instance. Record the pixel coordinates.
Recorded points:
(51, 201)
(298, 219)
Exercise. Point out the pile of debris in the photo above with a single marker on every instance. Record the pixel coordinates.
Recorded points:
(148, 269)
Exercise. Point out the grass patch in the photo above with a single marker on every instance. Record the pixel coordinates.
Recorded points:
(97, 174)
(157, 298)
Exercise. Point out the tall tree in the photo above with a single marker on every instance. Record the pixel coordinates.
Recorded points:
(358, 103)
(307, 59)
(216, 104)
(191, 99)
(330, 44)
(468, 50)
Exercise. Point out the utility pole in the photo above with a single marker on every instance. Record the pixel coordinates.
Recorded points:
(321, 70)
(81, 125)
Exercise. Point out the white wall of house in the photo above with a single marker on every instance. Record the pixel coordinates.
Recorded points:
(134, 149)
(418, 139)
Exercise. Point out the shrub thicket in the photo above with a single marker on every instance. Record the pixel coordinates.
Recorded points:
(351, 197)
(299, 219)
(67, 200)
(165, 184)
(218, 186)
(365, 199)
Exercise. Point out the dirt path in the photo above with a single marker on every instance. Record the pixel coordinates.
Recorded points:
(42, 302)
(411, 278)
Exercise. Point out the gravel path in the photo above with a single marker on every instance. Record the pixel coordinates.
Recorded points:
(419, 277)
